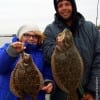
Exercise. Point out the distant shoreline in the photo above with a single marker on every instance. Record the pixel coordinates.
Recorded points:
(5, 39)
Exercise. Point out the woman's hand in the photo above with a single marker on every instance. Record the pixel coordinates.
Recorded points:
(19, 46)
(48, 88)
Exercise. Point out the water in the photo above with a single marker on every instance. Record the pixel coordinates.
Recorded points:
(4, 40)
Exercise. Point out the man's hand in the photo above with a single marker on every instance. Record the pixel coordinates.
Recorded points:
(48, 88)
(87, 96)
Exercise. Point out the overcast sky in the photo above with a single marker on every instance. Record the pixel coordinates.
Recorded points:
(14, 13)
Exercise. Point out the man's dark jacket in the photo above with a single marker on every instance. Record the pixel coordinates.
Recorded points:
(87, 40)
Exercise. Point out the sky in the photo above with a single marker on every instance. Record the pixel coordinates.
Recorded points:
(14, 13)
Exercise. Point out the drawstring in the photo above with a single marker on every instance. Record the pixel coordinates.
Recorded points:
(81, 90)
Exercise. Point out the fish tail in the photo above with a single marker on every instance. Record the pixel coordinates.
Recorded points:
(73, 96)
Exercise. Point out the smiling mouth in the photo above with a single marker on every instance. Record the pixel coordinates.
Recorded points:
(65, 14)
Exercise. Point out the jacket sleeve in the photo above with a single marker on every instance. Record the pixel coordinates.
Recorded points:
(49, 43)
(47, 72)
(94, 81)
(5, 60)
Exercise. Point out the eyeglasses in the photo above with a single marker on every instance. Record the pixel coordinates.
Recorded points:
(30, 35)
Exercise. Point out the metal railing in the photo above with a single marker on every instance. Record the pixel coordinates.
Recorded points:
(7, 35)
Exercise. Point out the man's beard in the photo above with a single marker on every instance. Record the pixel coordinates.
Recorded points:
(65, 20)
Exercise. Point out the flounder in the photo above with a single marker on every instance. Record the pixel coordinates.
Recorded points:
(26, 79)
(67, 65)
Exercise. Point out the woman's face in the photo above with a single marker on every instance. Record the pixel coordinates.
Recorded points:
(30, 37)
(65, 9)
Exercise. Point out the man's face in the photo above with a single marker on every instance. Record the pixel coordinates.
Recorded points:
(65, 9)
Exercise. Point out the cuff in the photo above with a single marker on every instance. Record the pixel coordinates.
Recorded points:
(12, 51)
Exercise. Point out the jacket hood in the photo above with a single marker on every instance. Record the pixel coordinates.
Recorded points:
(72, 2)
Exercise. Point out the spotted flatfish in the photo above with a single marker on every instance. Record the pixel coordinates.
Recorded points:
(67, 65)
(26, 79)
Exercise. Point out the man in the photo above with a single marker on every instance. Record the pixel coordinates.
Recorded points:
(87, 41)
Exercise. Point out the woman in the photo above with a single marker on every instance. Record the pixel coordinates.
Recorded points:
(29, 39)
